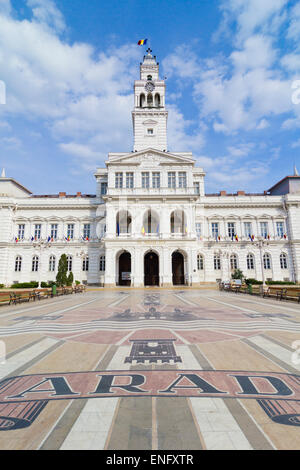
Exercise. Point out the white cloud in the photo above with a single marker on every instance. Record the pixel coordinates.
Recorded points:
(252, 16)
(294, 24)
(46, 13)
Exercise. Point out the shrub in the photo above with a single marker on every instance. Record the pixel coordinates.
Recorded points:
(25, 285)
(70, 279)
(1, 286)
(280, 283)
(77, 283)
(253, 281)
(47, 284)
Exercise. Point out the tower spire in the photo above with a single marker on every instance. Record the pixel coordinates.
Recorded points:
(3, 173)
(295, 171)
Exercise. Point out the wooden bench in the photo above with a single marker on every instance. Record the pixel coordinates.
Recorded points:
(4, 298)
(291, 293)
(19, 297)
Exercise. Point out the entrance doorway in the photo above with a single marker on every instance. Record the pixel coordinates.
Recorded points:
(151, 269)
(178, 268)
(125, 269)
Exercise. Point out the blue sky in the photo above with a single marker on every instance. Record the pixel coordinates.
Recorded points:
(69, 68)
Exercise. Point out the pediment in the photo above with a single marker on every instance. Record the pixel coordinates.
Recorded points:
(151, 156)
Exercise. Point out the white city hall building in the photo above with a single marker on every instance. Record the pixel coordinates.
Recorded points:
(150, 221)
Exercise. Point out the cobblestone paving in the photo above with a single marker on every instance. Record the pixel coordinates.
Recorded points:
(150, 369)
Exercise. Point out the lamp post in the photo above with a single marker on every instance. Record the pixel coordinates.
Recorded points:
(260, 244)
(40, 245)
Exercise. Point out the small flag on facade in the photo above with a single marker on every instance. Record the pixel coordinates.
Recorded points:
(16, 239)
(236, 238)
(284, 236)
(143, 230)
(142, 42)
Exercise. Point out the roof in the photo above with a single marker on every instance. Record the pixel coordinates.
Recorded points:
(281, 181)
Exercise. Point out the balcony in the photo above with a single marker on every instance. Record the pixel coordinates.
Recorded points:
(162, 191)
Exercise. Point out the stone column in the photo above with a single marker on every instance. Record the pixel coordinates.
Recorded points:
(110, 268)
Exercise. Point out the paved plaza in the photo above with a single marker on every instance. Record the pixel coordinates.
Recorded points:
(180, 369)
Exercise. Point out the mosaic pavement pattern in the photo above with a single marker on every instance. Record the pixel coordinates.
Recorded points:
(150, 369)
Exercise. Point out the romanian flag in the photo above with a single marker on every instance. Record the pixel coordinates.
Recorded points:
(236, 238)
(284, 236)
(143, 230)
(17, 239)
(142, 42)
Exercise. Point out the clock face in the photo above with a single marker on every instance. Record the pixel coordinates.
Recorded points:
(149, 86)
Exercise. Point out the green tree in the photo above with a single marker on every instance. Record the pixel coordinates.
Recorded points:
(70, 279)
(238, 274)
(62, 274)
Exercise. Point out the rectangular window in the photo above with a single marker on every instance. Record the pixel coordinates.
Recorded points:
(217, 263)
(53, 232)
(37, 231)
(264, 229)
(198, 229)
(86, 231)
(21, 231)
(119, 180)
(197, 187)
(129, 180)
(280, 229)
(182, 179)
(85, 263)
(231, 229)
(150, 131)
(248, 229)
(215, 229)
(70, 231)
(145, 180)
(200, 263)
(156, 180)
(102, 231)
(103, 189)
(102, 263)
(172, 179)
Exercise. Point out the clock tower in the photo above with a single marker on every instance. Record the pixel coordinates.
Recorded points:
(149, 116)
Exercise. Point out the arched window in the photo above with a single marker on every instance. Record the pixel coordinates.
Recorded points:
(217, 262)
(178, 222)
(157, 100)
(123, 222)
(149, 77)
(52, 263)
(267, 261)
(18, 264)
(151, 222)
(200, 262)
(233, 262)
(250, 261)
(70, 262)
(85, 263)
(35, 264)
(283, 261)
(142, 100)
(149, 99)
(102, 263)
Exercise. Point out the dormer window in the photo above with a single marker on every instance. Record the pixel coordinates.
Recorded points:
(149, 77)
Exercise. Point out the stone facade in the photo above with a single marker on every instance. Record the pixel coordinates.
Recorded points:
(150, 221)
